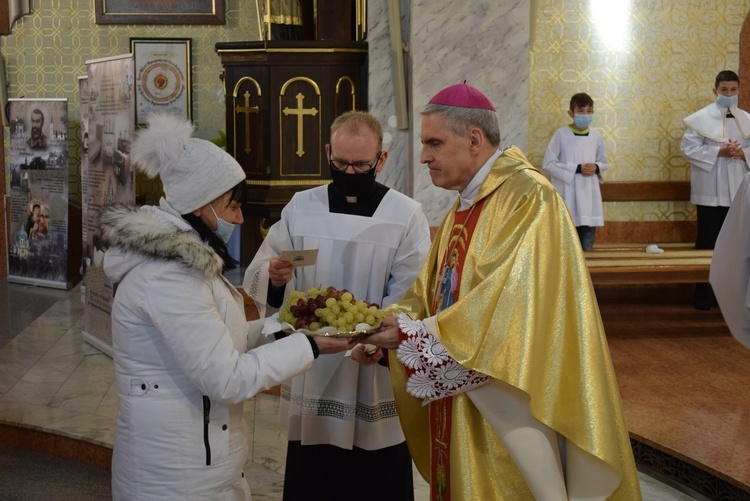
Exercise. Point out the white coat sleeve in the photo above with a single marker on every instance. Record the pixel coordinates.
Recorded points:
(553, 164)
(698, 151)
(182, 308)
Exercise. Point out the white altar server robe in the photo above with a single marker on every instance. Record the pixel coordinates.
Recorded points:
(341, 402)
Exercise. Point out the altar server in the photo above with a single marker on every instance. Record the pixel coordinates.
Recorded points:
(372, 241)
(574, 159)
(716, 143)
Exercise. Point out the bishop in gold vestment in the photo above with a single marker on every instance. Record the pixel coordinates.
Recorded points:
(507, 392)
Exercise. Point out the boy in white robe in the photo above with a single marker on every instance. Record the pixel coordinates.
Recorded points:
(372, 241)
(715, 143)
(575, 159)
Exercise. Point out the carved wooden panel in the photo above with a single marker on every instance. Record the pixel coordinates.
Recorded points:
(282, 97)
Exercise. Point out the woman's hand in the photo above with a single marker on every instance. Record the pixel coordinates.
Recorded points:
(327, 345)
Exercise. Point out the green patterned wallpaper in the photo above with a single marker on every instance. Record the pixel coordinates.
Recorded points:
(47, 49)
(672, 51)
(674, 48)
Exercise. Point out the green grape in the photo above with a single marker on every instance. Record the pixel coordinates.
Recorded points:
(335, 308)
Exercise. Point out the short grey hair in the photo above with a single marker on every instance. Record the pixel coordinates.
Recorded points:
(459, 120)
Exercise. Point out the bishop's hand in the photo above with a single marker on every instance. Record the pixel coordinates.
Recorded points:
(386, 336)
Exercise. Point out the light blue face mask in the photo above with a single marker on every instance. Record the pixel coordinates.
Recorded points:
(224, 229)
(582, 121)
(726, 101)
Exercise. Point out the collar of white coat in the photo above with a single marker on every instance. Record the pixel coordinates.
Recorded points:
(710, 122)
(471, 191)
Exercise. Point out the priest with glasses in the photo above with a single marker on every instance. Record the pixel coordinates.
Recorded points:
(371, 240)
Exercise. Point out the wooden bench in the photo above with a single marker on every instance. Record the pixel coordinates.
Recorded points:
(622, 264)
(619, 256)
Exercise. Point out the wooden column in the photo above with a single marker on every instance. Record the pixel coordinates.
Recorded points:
(744, 70)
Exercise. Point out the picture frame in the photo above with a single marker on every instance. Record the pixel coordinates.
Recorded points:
(164, 12)
(163, 77)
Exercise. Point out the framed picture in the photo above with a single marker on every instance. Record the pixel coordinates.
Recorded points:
(162, 77)
(163, 12)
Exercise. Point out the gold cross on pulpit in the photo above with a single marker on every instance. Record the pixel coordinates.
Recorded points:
(247, 110)
(300, 112)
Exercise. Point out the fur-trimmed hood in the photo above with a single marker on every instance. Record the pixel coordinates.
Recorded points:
(133, 235)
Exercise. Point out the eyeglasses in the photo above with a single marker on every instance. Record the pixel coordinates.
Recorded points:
(359, 167)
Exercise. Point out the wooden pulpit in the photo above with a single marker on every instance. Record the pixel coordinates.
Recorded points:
(281, 98)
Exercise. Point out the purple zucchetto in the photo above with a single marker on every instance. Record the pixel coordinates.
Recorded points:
(462, 96)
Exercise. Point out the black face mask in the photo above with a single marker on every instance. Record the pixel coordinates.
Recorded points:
(353, 185)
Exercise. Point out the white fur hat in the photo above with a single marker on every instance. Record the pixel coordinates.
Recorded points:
(193, 171)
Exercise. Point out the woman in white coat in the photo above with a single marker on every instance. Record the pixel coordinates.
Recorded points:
(179, 333)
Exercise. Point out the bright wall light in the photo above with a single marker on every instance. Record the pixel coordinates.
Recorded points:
(611, 20)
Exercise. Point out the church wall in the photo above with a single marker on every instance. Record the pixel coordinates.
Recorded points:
(666, 71)
(485, 43)
(381, 92)
(647, 64)
(47, 49)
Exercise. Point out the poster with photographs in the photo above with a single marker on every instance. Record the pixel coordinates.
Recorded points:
(83, 99)
(107, 177)
(38, 243)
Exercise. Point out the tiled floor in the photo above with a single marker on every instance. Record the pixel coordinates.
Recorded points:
(53, 381)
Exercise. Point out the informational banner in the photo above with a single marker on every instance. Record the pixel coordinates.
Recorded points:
(38, 243)
(83, 99)
(107, 177)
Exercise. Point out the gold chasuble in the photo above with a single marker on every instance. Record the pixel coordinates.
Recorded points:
(525, 314)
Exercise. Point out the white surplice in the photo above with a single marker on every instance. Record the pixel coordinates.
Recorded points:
(713, 179)
(730, 266)
(565, 152)
(340, 402)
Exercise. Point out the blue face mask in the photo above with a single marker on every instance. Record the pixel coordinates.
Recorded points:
(582, 121)
(224, 229)
(727, 101)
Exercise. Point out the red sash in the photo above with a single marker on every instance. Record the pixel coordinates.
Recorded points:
(441, 411)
